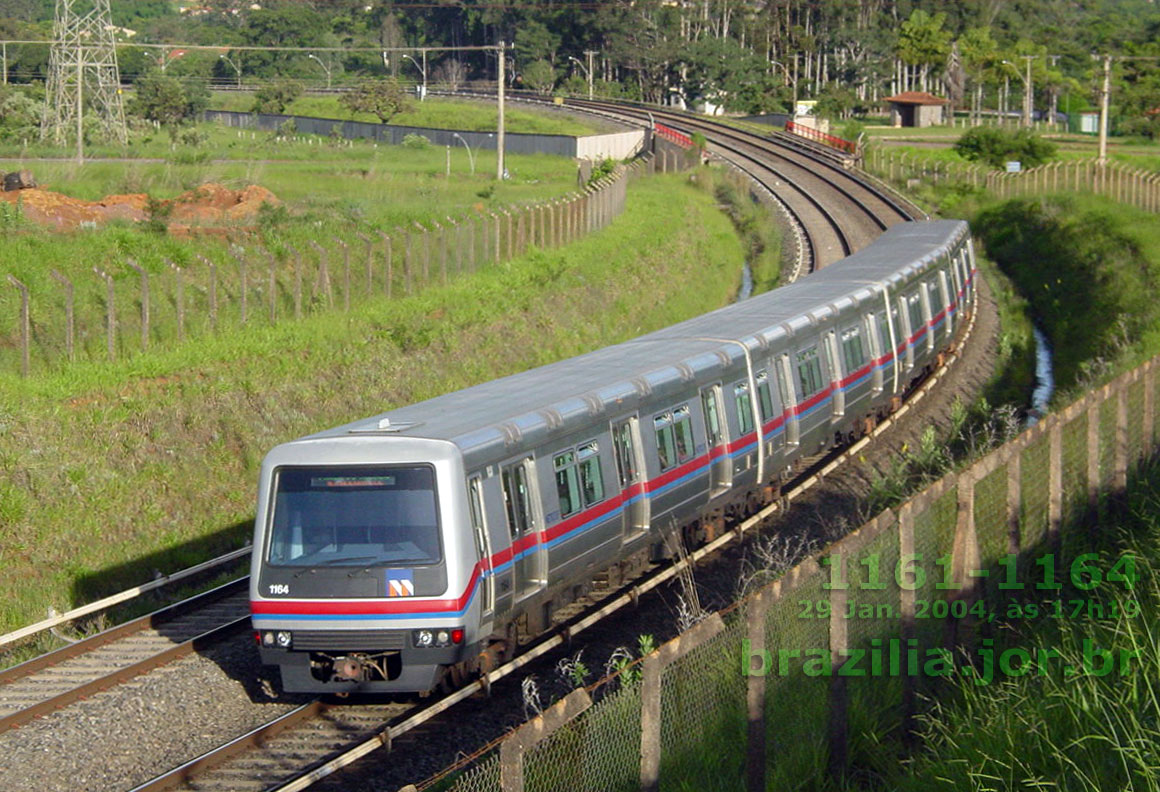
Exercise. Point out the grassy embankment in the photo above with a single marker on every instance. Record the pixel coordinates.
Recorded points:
(1085, 267)
(112, 470)
(328, 191)
(434, 112)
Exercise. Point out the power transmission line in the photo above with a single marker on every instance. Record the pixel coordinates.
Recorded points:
(82, 70)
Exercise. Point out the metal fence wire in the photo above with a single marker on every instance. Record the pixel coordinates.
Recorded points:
(754, 692)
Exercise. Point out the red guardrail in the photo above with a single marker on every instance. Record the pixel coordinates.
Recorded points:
(830, 140)
(680, 138)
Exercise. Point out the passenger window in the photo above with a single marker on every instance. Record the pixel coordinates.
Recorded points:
(591, 480)
(674, 434)
(884, 335)
(567, 485)
(809, 371)
(666, 443)
(744, 407)
(764, 399)
(852, 353)
(683, 426)
(914, 307)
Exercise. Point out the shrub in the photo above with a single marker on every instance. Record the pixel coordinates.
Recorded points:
(413, 141)
(996, 146)
(381, 98)
(273, 97)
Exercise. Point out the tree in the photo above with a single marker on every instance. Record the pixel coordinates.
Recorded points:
(539, 76)
(274, 96)
(922, 42)
(452, 72)
(381, 98)
(168, 100)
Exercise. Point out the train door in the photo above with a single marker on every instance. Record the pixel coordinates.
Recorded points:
(520, 498)
(785, 389)
(877, 352)
(945, 294)
(482, 545)
(720, 464)
(630, 472)
(834, 362)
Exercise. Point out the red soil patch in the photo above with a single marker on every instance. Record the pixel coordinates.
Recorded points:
(208, 208)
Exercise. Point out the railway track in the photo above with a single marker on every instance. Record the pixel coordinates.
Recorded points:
(57, 679)
(316, 738)
(837, 211)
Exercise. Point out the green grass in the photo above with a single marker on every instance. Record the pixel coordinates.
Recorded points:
(111, 470)
(436, 113)
(1089, 268)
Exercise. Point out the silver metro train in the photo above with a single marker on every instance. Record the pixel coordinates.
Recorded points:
(414, 548)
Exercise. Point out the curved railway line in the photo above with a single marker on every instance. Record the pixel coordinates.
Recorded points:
(839, 213)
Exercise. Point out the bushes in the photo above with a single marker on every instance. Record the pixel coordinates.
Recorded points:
(996, 146)
(1082, 269)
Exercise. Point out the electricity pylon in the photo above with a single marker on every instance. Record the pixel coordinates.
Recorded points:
(82, 75)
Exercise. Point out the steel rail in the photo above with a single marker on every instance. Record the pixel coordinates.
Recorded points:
(833, 177)
(559, 636)
(124, 596)
(117, 675)
(779, 178)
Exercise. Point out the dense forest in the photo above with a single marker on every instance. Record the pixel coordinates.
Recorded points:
(748, 55)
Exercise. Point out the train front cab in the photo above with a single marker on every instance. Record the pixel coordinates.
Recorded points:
(365, 577)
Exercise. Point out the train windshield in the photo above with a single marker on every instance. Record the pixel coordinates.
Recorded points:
(328, 516)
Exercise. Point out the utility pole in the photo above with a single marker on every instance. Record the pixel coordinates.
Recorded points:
(1104, 93)
(1028, 93)
(590, 54)
(501, 51)
(83, 50)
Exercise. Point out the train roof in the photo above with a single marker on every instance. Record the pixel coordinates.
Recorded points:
(546, 396)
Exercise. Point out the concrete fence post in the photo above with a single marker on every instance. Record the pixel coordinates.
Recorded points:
(388, 264)
(144, 302)
(1054, 482)
(755, 690)
(1148, 419)
(69, 314)
(345, 272)
(839, 651)
(471, 223)
(110, 314)
(966, 550)
(212, 290)
(297, 281)
(272, 285)
(1093, 451)
(1014, 497)
(510, 235)
(457, 240)
(322, 284)
(368, 246)
(241, 259)
(1120, 451)
(25, 326)
(540, 728)
(408, 239)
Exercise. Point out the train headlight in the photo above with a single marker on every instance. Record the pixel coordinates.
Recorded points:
(438, 638)
(267, 638)
(283, 638)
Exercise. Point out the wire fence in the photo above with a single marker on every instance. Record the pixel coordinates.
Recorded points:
(131, 307)
(759, 691)
(1134, 186)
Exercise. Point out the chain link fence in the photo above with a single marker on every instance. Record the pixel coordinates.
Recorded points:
(764, 690)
